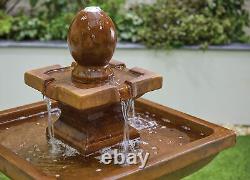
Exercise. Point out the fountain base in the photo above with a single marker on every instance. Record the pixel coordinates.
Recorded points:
(91, 130)
(174, 157)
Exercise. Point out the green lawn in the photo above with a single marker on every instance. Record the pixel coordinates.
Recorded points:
(232, 164)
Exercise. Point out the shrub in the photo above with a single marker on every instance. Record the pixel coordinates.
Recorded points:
(127, 27)
(52, 19)
(173, 23)
(57, 28)
(5, 24)
(24, 28)
(164, 24)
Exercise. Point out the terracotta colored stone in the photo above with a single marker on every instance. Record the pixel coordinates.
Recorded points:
(55, 82)
(92, 41)
(173, 161)
(92, 37)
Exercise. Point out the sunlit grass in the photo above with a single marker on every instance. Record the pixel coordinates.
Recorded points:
(232, 164)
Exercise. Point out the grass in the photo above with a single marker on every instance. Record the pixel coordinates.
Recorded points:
(231, 164)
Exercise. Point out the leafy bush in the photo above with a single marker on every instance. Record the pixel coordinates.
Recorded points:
(57, 28)
(52, 19)
(27, 28)
(166, 23)
(174, 23)
(5, 24)
(127, 27)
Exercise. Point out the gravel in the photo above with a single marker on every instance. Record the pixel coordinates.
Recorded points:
(241, 130)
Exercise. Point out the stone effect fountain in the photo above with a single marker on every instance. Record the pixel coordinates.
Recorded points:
(89, 94)
(90, 90)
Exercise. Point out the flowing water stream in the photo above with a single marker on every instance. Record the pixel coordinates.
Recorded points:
(50, 129)
(126, 146)
(127, 108)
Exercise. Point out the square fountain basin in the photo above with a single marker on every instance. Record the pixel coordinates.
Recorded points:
(179, 144)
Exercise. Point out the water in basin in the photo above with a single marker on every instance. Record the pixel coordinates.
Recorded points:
(26, 137)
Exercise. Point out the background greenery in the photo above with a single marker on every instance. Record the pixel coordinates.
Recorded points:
(164, 24)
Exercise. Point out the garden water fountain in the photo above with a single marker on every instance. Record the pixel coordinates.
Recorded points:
(94, 111)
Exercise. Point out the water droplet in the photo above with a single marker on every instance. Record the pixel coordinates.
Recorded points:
(83, 18)
(154, 148)
(186, 128)
(163, 127)
(37, 123)
(98, 170)
(36, 148)
(22, 117)
(7, 128)
(22, 145)
(57, 175)
(166, 120)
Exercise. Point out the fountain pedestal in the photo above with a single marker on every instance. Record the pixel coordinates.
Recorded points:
(90, 90)
(92, 129)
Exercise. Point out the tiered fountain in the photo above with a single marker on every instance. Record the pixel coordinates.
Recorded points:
(93, 95)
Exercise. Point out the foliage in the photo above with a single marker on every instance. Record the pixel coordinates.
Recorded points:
(166, 23)
(50, 19)
(54, 8)
(5, 24)
(27, 28)
(174, 23)
(57, 28)
(127, 27)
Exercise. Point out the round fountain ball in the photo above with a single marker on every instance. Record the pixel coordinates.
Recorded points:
(92, 37)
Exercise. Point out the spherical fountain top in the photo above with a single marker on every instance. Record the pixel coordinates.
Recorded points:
(92, 37)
